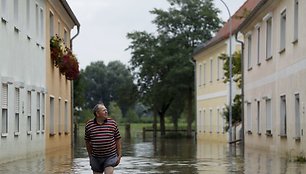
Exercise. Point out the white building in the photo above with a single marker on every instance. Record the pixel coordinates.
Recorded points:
(212, 92)
(22, 77)
(275, 70)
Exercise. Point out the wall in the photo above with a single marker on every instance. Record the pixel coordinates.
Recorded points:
(22, 67)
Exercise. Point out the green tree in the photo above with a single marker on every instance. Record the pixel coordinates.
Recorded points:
(121, 86)
(113, 82)
(236, 67)
(95, 79)
(176, 109)
(115, 111)
(131, 116)
(163, 61)
(84, 115)
(236, 112)
(79, 93)
(236, 76)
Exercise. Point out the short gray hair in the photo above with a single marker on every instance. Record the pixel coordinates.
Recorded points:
(96, 108)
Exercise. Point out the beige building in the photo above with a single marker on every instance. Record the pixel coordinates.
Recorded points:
(275, 69)
(60, 20)
(212, 92)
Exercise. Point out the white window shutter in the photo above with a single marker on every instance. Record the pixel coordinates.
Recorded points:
(38, 101)
(29, 103)
(17, 99)
(4, 96)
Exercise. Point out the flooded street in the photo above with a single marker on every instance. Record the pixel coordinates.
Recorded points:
(163, 156)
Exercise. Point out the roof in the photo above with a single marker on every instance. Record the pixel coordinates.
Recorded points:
(70, 12)
(253, 13)
(236, 20)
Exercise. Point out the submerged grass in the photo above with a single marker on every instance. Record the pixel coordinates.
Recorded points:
(300, 159)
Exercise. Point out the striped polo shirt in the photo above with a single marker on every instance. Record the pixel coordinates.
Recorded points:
(102, 137)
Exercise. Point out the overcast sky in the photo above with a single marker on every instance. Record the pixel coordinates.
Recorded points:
(105, 23)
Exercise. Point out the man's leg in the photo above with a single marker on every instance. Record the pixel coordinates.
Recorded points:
(109, 170)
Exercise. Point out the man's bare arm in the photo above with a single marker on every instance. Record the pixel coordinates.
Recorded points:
(88, 148)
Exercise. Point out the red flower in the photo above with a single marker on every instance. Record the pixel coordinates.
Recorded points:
(64, 59)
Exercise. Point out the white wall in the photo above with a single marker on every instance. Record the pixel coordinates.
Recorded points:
(22, 65)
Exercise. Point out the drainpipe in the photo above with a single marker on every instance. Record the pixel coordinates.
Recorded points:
(78, 32)
(191, 60)
(74, 121)
(242, 89)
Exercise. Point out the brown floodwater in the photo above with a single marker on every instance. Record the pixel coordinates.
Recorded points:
(163, 156)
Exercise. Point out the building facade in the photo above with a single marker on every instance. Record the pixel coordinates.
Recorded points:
(23, 80)
(60, 20)
(275, 67)
(35, 99)
(212, 92)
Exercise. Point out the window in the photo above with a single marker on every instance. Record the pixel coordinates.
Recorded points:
(38, 112)
(59, 117)
(4, 121)
(218, 120)
(203, 122)
(258, 46)
(28, 12)
(283, 31)
(218, 68)
(269, 39)
(204, 73)
(65, 36)
(37, 20)
(51, 16)
(210, 120)
(258, 117)
(29, 108)
(16, 11)
(211, 70)
(283, 116)
(268, 117)
(59, 28)
(296, 21)
(297, 117)
(4, 10)
(223, 121)
(249, 117)
(43, 113)
(222, 70)
(52, 116)
(249, 51)
(41, 24)
(200, 75)
(199, 121)
(17, 108)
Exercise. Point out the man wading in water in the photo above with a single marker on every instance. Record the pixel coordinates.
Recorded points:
(103, 141)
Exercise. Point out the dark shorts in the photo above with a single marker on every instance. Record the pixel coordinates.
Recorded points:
(98, 164)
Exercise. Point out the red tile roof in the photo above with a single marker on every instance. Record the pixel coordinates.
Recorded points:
(237, 19)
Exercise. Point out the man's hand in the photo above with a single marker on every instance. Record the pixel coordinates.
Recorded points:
(118, 160)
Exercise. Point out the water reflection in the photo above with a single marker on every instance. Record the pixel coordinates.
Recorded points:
(270, 163)
(162, 156)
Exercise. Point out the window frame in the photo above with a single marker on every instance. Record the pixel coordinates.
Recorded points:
(283, 28)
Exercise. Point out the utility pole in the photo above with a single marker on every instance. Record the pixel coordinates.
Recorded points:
(230, 69)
